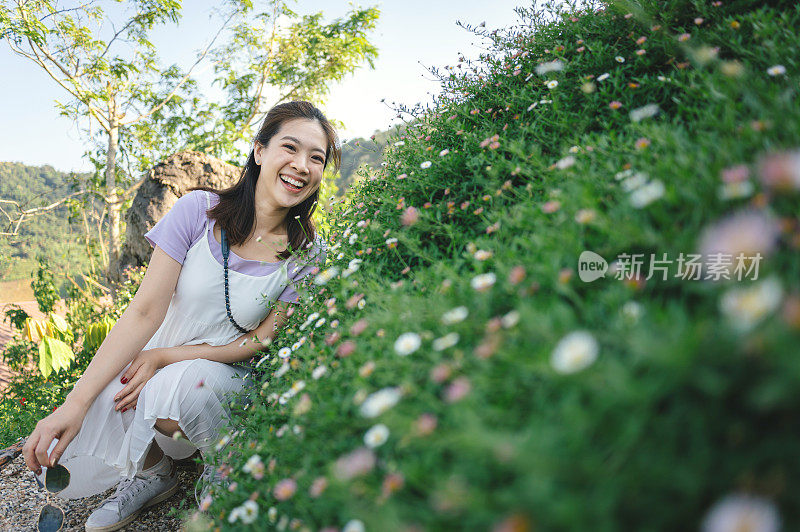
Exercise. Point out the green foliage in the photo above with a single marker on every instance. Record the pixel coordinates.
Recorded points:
(52, 235)
(524, 398)
(16, 316)
(44, 289)
(30, 395)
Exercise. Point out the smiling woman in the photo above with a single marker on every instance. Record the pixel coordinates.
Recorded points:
(183, 343)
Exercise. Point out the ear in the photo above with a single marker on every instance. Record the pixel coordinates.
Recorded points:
(257, 152)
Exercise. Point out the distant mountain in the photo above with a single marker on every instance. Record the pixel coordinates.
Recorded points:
(359, 152)
(51, 234)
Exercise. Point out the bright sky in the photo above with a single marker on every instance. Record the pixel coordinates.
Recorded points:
(410, 35)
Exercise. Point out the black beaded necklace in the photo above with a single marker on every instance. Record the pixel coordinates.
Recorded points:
(225, 251)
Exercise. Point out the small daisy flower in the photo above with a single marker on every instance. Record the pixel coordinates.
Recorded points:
(615, 105)
(400, 143)
(552, 84)
(619, 59)
(647, 194)
(448, 340)
(284, 352)
(318, 372)
(376, 436)
(776, 70)
(683, 37)
(604, 76)
(455, 315)
(482, 254)
(641, 143)
(319, 323)
(444, 152)
(747, 307)
(354, 525)
(407, 343)
(425, 164)
(742, 512)
(550, 66)
(510, 319)
(391, 242)
(361, 303)
(483, 282)
(575, 352)
(284, 489)
(377, 403)
(326, 275)
(585, 216)
(648, 111)
(566, 162)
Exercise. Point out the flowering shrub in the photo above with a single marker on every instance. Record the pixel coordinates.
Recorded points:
(482, 384)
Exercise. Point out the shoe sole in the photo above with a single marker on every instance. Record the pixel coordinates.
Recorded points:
(155, 500)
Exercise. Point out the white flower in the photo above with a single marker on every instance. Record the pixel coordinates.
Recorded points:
(272, 513)
(483, 281)
(444, 152)
(604, 76)
(647, 194)
(776, 70)
(223, 442)
(552, 84)
(252, 464)
(326, 275)
(320, 323)
(574, 149)
(510, 319)
(632, 311)
(352, 239)
(425, 164)
(746, 307)
(400, 143)
(576, 351)
(648, 111)
(550, 66)
(448, 340)
(455, 315)
(354, 525)
(296, 345)
(281, 371)
(284, 352)
(376, 436)
(566, 162)
(247, 512)
(361, 303)
(482, 254)
(354, 264)
(619, 59)
(379, 402)
(318, 372)
(742, 512)
(633, 182)
(390, 241)
(407, 343)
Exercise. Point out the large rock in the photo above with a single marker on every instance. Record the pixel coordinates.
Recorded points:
(166, 182)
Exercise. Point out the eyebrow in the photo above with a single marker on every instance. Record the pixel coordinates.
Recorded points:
(300, 143)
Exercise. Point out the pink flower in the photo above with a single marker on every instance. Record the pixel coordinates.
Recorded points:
(284, 489)
(641, 143)
(391, 483)
(332, 338)
(346, 349)
(735, 174)
(440, 373)
(457, 390)
(355, 463)
(615, 104)
(551, 206)
(781, 171)
(516, 275)
(425, 424)
(358, 327)
(317, 487)
(410, 216)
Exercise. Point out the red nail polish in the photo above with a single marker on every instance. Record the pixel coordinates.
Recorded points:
(123, 380)
(124, 409)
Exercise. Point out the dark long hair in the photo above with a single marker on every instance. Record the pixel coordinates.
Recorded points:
(236, 210)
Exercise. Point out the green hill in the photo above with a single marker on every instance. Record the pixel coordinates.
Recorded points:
(50, 235)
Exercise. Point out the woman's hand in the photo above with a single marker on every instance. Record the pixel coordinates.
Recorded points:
(63, 424)
(142, 368)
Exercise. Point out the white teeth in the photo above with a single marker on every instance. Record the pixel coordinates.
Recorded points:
(294, 182)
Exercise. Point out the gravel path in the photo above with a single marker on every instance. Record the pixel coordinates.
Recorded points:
(21, 498)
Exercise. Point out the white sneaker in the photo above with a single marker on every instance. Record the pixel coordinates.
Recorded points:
(131, 497)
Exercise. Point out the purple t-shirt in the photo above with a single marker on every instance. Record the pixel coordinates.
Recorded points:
(183, 226)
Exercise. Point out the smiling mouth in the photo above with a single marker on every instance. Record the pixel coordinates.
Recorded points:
(292, 184)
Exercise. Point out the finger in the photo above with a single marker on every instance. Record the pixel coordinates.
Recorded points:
(28, 451)
(128, 401)
(58, 450)
(129, 373)
(42, 447)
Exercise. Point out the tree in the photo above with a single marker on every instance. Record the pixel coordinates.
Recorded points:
(145, 112)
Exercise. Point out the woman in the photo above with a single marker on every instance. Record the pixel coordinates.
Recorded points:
(178, 348)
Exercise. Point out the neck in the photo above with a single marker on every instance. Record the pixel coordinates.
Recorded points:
(270, 220)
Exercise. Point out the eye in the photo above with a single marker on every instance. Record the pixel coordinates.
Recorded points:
(288, 146)
(320, 159)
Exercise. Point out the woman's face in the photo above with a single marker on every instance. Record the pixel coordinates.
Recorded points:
(296, 153)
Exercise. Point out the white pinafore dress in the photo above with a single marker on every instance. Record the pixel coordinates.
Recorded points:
(196, 393)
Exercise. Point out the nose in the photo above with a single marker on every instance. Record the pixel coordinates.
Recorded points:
(299, 164)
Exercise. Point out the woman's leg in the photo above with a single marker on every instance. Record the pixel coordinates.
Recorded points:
(167, 427)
